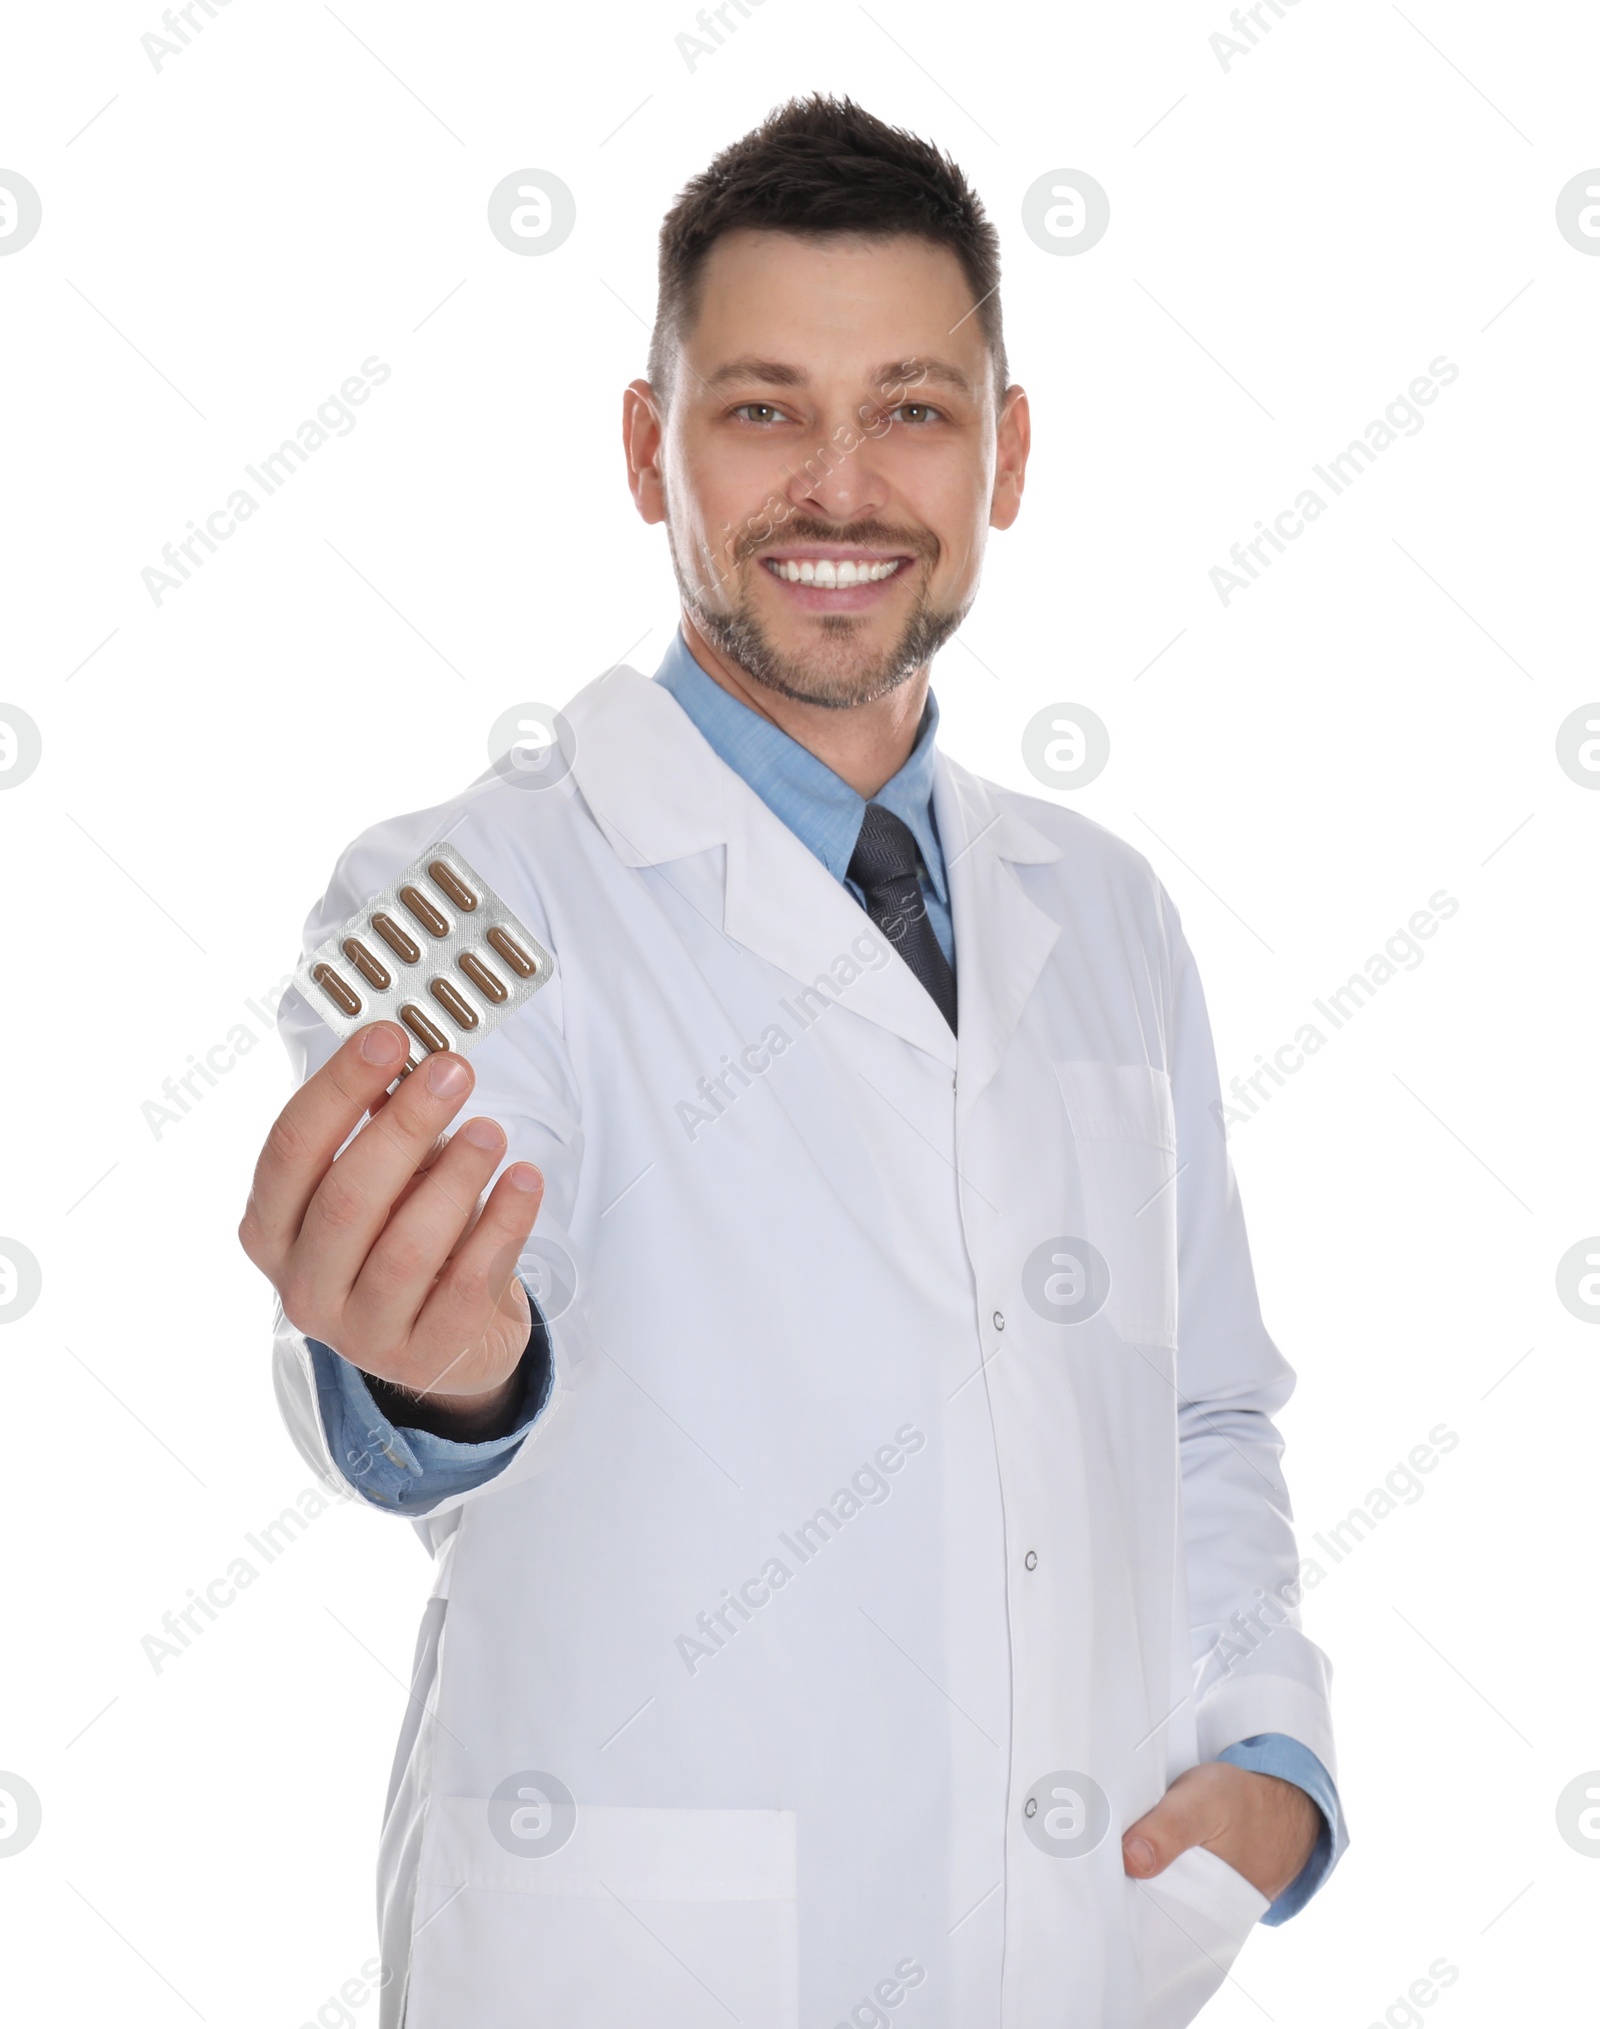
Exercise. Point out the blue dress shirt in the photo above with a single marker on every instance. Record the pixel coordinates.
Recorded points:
(821, 809)
(410, 1471)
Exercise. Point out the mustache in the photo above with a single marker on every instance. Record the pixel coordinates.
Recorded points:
(872, 535)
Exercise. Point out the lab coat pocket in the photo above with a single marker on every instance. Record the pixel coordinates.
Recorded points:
(1189, 1924)
(681, 1918)
(1123, 1125)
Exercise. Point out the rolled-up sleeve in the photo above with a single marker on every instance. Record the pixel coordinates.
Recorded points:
(405, 1470)
(1276, 1754)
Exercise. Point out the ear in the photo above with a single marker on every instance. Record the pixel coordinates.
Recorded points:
(642, 437)
(1013, 434)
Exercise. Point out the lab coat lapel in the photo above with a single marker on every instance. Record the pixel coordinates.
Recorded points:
(1003, 940)
(784, 904)
(659, 793)
(653, 785)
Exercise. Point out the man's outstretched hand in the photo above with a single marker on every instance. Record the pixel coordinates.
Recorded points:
(1263, 1827)
(377, 1242)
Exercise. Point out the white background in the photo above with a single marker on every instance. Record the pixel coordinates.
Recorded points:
(1300, 235)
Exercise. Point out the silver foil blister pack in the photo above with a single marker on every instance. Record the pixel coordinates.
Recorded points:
(438, 952)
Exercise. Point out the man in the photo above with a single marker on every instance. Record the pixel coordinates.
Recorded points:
(864, 1577)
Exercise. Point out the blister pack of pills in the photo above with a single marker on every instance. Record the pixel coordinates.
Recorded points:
(438, 952)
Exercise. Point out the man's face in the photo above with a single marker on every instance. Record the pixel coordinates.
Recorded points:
(830, 459)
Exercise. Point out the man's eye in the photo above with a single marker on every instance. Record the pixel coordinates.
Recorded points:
(916, 413)
(759, 412)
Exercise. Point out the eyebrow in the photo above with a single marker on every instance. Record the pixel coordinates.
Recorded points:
(771, 372)
(915, 371)
(777, 373)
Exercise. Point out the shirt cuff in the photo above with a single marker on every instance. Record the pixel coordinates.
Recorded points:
(410, 1471)
(1277, 1754)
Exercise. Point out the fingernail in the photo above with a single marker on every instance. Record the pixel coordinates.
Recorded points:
(524, 1177)
(447, 1076)
(382, 1045)
(482, 1133)
(1141, 1853)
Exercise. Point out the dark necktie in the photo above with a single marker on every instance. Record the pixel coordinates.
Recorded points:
(884, 866)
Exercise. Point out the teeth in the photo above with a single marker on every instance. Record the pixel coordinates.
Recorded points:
(824, 571)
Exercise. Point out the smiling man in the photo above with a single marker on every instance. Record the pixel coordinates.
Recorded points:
(827, 1368)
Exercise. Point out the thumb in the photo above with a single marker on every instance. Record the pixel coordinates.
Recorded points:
(1182, 1819)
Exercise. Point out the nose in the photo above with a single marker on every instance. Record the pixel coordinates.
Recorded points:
(842, 480)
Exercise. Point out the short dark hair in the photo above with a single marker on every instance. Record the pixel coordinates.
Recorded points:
(817, 166)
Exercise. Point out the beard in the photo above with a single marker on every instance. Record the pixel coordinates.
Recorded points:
(842, 669)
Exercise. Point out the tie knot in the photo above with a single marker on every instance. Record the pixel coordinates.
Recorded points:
(886, 849)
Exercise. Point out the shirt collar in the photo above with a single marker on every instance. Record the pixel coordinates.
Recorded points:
(818, 806)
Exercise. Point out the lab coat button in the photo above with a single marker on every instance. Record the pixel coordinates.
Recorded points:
(1030, 1560)
(999, 1320)
(1030, 1807)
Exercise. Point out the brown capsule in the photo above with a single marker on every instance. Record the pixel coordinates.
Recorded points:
(445, 878)
(420, 1026)
(343, 997)
(522, 963)
(455, 1005)
(397, 940)
(424, 911)
(482, 978)
(371, 968)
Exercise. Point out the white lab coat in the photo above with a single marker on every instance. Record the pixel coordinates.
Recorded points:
(816, 1809)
